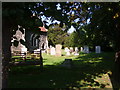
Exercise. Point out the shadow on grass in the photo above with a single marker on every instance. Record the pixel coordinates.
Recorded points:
(86, 68)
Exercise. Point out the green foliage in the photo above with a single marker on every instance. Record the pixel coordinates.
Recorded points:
(103, 28)
(72, 40)
(56, 35)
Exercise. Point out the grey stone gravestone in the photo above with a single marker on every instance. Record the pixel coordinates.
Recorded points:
(86, 49)
(98, 49)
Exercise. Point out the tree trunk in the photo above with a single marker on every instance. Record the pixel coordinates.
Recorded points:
(41, 61)
(6, 52)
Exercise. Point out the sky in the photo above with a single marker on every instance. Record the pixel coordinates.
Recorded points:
(72, 29)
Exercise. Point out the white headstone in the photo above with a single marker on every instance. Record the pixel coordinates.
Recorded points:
(76, 51)
(66, 48)
(67, 52)
(81, 49)
(71, 49)
(86, 49)
(50, 46)
(98, 49)
(52, 51)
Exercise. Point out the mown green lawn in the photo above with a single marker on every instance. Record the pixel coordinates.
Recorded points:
(84, 73)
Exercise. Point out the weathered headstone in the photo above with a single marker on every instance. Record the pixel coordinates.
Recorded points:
(76, 51)
(98, 49)
(52, 51)
(81, 49)
(19, 35)
(66, 48)
(58, 48)
(71, 49)
(86, 49)
(67, 52)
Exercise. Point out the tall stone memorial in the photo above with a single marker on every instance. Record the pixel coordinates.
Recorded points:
(19, 35)
(58, 49)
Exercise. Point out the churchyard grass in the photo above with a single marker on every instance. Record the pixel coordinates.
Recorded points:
(84, 73)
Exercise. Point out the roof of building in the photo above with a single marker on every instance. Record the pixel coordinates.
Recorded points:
(43, 29)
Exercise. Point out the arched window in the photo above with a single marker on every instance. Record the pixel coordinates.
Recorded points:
(32, 39)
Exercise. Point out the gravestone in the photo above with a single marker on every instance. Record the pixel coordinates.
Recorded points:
(86, 49)
(66, 48)
(81, 49)
(98, 49)
(58, 48)
(71, 49)
(67, 63)
(19, 35)
(50, 46)
(76, 51)
(52, 51)
(67, 52)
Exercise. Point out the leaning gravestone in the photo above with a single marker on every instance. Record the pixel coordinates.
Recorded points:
(58, 49)
(98, 49)
(86, 49)
(52, 51)
(76, 51)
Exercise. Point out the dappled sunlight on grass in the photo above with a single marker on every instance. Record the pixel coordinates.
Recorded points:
(84, 73)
